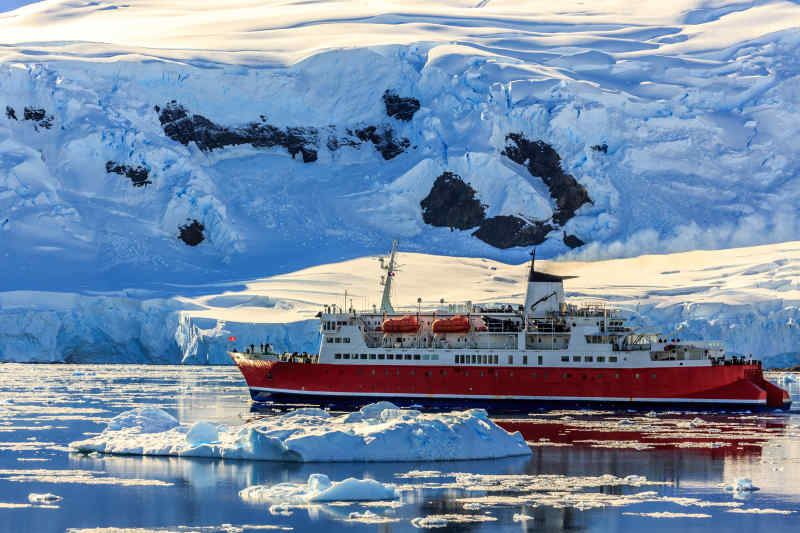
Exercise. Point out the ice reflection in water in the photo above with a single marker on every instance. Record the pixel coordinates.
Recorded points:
(679, 462)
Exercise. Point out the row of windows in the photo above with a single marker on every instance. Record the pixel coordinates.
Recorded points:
(589, 359)
(337, 339)
(389, 356)
(332, 324)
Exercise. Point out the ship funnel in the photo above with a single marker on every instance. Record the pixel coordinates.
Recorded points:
(545, 291)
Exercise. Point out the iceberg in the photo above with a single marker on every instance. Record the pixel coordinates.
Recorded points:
(378, 432)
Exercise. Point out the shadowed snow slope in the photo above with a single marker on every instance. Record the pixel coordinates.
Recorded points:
(747, 297)
(262, 134)
(378, 432)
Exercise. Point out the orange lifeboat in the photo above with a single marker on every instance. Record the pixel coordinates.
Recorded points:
(406, 324)
(457, 324)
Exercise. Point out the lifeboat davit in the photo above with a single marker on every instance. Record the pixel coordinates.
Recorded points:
(457, 324)
(406, 324)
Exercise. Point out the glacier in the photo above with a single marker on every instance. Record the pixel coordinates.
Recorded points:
(161, 174)
(678, 121)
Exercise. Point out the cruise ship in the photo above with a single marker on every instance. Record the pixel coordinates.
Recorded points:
(547, 350)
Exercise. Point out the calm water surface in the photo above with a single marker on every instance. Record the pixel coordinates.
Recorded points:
(687, 457)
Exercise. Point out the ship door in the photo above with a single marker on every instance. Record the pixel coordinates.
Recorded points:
(540, 360)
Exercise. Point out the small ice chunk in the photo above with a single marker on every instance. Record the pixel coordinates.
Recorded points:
(202, 433)
(741, 484)
(282, 509)
(46, 497)
(319, 488)
(143, 420)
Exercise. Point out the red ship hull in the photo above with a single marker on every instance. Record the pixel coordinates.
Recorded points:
(740, 385)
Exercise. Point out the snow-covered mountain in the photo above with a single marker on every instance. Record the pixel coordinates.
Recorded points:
(747, 297)
(148, 144)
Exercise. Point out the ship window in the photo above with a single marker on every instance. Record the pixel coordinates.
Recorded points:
(485, 360)
(588, 359)
(329, 339)
(363, 356)
(372, 356)
(576, 358)
(510, 359)
(524, 359)
(416, 357)
(601, 359)
(474, 358)
(540, 359)
(381, 356)
(612, 359)
(337, 356)
(435, 357)
(564, 358)
(426, 357)
(390, 356)
(337, 339)
(495, 358)
(408, 357)
(458, 359)
(346, 339)
(345, 356)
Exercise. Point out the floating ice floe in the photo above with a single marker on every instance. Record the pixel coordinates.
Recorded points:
(741, 484)
(318, 488)
(754, 510)
(378, 432)
(443, 520)
(47, 497)
(667, 514)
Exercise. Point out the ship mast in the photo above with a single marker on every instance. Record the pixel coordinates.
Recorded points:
(386, 302)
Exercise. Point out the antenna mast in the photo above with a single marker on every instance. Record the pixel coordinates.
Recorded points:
(386, 302)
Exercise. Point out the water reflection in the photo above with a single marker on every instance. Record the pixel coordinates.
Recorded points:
(691, 453)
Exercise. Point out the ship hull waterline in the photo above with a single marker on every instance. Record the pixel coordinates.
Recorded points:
(739, 386)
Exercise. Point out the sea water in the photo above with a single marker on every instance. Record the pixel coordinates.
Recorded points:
(593, 470)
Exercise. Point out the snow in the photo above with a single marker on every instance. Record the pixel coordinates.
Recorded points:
(379, 432)
(318, 488)
(696, 102)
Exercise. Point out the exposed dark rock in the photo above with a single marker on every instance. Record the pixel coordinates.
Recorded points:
(400, 108)
(572, 241)
(544, 162)
(183, 127)
(192, 233)
(600, 148)
(138, 175)
(39, 116)
(10, 113)
(383, 139)
(452, 203)
(506, 231)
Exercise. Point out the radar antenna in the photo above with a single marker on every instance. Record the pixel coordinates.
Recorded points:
(386, 302)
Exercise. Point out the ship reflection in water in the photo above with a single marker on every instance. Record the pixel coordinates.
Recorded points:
(591, 470)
